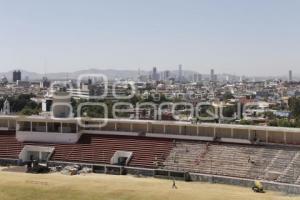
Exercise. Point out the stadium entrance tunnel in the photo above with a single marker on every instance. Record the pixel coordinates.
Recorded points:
(121, 158)
(31, 153)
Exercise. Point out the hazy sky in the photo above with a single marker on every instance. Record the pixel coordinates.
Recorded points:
(250, 37)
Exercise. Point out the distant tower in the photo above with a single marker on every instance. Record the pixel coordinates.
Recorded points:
(45, 83)
(16, 76)
(6, 107)
(290, 76)
(212, 75)
(155, 75)
(180, 73)
(197, 77)
(139, 74)
(167, 75)
(227, 78)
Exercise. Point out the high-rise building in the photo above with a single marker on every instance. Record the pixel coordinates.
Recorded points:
(45, 83)
(290, 76)
(180, 73)
(155, 75)
(212, 74)
(16, 76)
(167, 75)
(197, 77)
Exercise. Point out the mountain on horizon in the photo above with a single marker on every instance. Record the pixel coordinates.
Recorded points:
(111, 73)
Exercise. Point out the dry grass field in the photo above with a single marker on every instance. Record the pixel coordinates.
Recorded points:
(22, 186)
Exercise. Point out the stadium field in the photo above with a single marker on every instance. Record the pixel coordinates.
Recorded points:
(22, 186)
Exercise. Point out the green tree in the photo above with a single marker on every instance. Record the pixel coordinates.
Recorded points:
(227, 95)
(294, 104)
(229, 111)
(29, 111)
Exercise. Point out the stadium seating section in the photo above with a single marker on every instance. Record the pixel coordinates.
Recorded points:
(276, 163)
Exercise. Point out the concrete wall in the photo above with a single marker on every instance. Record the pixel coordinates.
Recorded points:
(223, 132)
(157, 128)
(124, 127)
(264, 134)
(191, 130)
(139, 128)
(276, 137)
(69, 138)
(109, 126)
(240, 133)
(275, 186)
(205, 131)
(172, 129)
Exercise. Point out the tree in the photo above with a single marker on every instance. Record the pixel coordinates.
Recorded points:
(19, 102)
(29, 111)
(294, 104)
(1, 103)
(246, 122)
(227, 95)
(270, 115)
(228, 111)
(281, 123)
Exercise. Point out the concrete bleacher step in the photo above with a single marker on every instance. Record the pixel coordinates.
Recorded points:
(232, 159)
(289, 173)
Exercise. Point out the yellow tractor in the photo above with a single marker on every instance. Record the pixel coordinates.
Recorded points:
(258, 187)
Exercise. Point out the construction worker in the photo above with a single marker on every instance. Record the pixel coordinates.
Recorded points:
(174, 184)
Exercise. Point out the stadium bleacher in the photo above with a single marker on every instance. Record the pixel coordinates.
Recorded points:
(147, 152)
(268, 162)
(275, 163)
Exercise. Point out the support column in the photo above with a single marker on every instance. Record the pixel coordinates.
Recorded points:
(231, 132)
(180, 129)
(147, 127)
(30, 126)
(197, 130)
(61, 127)
(46, 127)
(284, 137)
(214, 131)
(164, 129)
(116, 126)
(267, 136)
(131, 127)
(249, 134)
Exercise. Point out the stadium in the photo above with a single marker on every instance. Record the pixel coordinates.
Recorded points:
(214, 153)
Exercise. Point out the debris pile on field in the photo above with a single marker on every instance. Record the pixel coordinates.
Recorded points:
(70, 170)
(56, 168)
(85, 170)
(75, 170)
